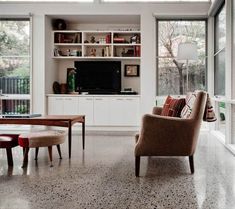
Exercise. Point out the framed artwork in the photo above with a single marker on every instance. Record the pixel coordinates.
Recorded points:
(132, 71)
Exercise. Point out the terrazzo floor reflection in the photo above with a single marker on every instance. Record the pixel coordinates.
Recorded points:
(103, 177)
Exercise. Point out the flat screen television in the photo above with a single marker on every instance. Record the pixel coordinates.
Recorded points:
(98, 77)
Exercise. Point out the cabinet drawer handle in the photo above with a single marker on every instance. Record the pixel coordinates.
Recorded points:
(120, 99)
(58, 99)
(129, 99)
(68, 99)
(89, 99)
(99, 99)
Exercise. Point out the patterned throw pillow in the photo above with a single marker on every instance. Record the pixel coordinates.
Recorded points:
(187, 110)
(173, 107)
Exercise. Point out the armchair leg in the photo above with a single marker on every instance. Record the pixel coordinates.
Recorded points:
(137, 166)
(191, 164)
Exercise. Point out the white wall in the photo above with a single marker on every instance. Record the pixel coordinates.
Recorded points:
(146, 12)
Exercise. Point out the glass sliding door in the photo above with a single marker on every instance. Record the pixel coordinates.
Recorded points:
(219, 54)
(15, 59)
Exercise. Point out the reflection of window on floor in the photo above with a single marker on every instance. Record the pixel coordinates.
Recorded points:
(171, 73)
(221, 118)
(15, 65)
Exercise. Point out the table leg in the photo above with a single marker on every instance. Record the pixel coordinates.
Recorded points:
(70, 138)
(83, 135)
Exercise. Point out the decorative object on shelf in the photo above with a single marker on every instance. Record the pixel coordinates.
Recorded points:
(107, 52)
(59, 24)
(129, 53)
(71, 80)
(119, 40)
(77, 38)
(86, 42)
(132, 71)
(93, 52)
(108, 39)
(63, 88)
(137, 51)
(79, 53)
(123, 52)
(68, 52)
(133, 39)
(56, 87)
(93, 39)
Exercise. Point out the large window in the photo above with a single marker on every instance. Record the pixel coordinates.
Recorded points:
(172, 73)
(219, 56)
(15, 65)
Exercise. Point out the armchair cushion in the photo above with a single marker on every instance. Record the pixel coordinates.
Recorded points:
(173, 107)
(187, 109)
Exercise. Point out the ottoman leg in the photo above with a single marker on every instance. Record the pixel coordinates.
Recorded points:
(50, 154)
(9, 157)
(36, 153)
(25, 157)
(59, 151)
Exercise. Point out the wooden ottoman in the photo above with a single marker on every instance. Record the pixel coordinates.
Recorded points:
(41, 139)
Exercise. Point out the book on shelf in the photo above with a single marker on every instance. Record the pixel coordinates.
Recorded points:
(137, 51)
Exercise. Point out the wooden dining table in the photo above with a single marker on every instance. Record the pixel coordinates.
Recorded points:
(52, 120)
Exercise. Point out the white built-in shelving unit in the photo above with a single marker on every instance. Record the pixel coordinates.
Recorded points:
(76, 44)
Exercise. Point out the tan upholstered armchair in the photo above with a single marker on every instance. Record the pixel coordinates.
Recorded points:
(170, 136)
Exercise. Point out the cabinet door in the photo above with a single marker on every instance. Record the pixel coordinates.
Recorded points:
(86, 108)
(131, 109)
(55, 106)
(116, 114)
(71, 106)
(101, 116)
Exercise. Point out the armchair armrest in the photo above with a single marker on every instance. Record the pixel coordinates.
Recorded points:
(164, 136)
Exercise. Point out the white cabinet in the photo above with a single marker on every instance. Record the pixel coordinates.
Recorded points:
(99, 110)
(62, 105)
(55, 106)
(116, 114)
(131, 110)
(101, 114)
(124, 111)
(71, 106)
(86, 108)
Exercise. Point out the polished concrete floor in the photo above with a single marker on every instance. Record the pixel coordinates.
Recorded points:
(103, 177)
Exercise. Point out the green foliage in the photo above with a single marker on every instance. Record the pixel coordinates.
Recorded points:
(222, 104)
(14, 41)
(22, 109)
(14, 38)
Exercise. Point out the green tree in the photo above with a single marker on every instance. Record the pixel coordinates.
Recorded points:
(14, 42)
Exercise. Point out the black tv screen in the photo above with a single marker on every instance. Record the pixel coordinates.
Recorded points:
(99, 77)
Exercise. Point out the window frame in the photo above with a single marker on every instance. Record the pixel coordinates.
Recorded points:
(216, 53)
(28, 18)
(206, 47)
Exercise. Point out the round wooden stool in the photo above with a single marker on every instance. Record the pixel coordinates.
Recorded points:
(41, 139)
(8, 141)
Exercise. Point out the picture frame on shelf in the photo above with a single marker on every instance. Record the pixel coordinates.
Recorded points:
(132, 71)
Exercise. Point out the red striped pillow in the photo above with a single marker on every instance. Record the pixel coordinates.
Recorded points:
(173, 107)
